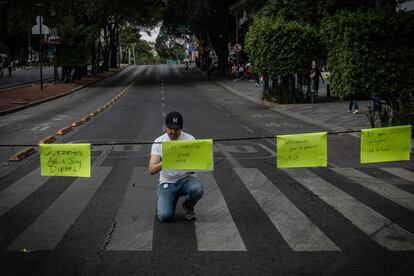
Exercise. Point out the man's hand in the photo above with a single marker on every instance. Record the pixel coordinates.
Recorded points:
(155, 164)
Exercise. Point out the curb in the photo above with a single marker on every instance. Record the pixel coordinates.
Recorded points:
(22, 154)
(8, 111)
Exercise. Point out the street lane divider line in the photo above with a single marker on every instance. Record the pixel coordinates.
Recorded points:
(47, 140)
(64, 130)
(86, 118)
(22, 154)
(76, 123)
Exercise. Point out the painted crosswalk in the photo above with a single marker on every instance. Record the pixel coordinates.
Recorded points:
(48, 229)
(380, 187)
(401, 173)
(17, 192)
(135, 218)
(299, 232)
(373, 224)
(216, 229)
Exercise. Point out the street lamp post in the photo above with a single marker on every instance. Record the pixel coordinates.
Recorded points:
(40, 5)
(55, 73)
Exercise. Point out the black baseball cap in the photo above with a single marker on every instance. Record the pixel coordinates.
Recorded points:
(174, 120)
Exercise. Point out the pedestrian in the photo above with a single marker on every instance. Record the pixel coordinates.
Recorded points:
(10, 68)
(234, 71)
(241, 71)
(353, 103)
(174, 183)
(315, 75)
(265, 79)
(248, 71)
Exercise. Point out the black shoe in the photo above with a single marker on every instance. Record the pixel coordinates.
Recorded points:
(189, 212)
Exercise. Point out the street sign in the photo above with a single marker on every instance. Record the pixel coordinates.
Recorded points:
(54, 40)
(237, 48)
(36, 28)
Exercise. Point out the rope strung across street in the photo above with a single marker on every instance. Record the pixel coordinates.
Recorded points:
(152, 142)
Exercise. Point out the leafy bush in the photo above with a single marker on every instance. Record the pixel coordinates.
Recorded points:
(281, 47)
(372, 53)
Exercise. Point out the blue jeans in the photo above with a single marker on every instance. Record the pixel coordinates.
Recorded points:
(167, 198)
(353, 103)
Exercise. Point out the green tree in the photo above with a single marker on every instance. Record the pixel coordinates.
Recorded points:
(280, 47)
(210, 20)
(371, 53)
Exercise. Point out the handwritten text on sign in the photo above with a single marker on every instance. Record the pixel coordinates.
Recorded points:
(302, 150)
(187, 155)
(65, 160)
(385, 144)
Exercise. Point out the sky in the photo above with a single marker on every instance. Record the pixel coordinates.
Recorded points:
(409, 6)
(154, 34)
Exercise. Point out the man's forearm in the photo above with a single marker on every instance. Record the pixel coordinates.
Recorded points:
(155, 168)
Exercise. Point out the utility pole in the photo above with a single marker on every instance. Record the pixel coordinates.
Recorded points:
(30, 45)
(237, 34)
(40, 5)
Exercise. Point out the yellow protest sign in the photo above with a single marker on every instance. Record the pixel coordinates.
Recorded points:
(385, 144)
(302, 150)
(187, 155)
(65, 160)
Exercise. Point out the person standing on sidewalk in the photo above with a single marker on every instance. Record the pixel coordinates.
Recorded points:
(174, 183)
(265, 79)
(10, 68)
(315, 75)
(353, 103)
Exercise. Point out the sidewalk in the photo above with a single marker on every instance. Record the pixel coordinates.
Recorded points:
(15, 99)
(327, 113)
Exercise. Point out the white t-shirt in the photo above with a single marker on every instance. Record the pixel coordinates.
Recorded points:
(170, 176)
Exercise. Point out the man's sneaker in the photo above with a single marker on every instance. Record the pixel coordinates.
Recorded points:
(189, 212)
(356, 111)
(349, 110)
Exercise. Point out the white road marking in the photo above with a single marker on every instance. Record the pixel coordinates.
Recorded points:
(402, 173)
(41, 127)
(48, 229)
(374, 225)
(18, 191)
(135, 217)
(215, 228)
(248, 129)
(295, 227)
(386, 190)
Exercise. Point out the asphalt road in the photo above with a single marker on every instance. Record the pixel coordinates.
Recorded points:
(254, 219)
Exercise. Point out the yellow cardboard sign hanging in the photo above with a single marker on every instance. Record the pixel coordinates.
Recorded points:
(302, 150)
(187, 155)
(385, 144)
(65, 160)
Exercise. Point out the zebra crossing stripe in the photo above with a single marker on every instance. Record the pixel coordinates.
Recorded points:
(386, 190)
(215, 228)
(402, 173)
(135, 218)
(377, 227)
(18, 191)
(298, 231)
(48, 229)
